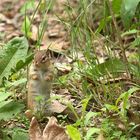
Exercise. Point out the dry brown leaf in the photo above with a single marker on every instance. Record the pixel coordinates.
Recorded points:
(52, 131)
(63, 67)
(34, 33)
(121, 126)
(3, 18)
(133, 116)
(2, 28)
(63, 91)
(52, 43)
(29, 114)
(34, 130)
(57, 107)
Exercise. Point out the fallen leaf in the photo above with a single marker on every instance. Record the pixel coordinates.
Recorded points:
(63, 67)
(34, 35)
(57, 107)
(29, 114)
(3, 18)
(34, 130)
(52, 131)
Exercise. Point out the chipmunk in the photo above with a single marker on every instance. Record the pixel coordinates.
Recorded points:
(41, 75)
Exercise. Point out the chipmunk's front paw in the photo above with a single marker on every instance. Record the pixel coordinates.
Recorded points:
(34, 77)
(48, 77)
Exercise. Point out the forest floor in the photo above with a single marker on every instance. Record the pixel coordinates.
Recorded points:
(12, 18)
(74, 83)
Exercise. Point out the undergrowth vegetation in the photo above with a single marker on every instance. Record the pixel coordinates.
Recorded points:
(105, 76)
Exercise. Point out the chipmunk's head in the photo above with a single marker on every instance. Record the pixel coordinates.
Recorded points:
(42, 59)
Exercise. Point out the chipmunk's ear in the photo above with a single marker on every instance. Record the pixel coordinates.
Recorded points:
(48, 53)
(35, 51)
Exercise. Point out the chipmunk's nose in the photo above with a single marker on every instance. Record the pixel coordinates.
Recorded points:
(36, 64)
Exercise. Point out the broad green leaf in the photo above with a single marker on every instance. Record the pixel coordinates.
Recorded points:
(111, 66)
(92, 131)
(10, 110)
(3, 103)
(116, 6)
(73, 132)
(4, 96)
(21, 64)
(16, 83)
(13, 52)
(128, 10)
(20, 133)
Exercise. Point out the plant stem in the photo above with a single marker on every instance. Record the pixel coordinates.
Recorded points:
(118, 34)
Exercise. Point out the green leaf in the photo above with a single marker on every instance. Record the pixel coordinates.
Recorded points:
(88, 116)
(20, 133)
(111, 107)
(3, 103)
(92, 131)
(13, 52)
(73, 132)
(26, 26)
(135, 69)
(136, 42)
(69, 105)
(128, 10)
(111, 66)
(84, 104)
(10, 110)
(116, 6)
(130, 32)
(6, 136)
(28, 5)
(16, 83)
(128, 94)
(4, 95)
(21, 64)
(103, 23)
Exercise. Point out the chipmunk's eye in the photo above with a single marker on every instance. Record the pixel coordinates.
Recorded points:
(44, 58)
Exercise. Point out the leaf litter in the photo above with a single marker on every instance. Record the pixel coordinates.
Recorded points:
(57, 38)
